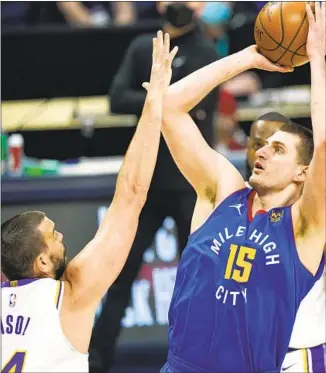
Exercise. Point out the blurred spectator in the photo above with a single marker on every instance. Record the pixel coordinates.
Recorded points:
(170, 194)
(147, 10)
(229, 136)
(244, 84)
(18, 13)
(215, 16)
(96, 13)
(74, 13)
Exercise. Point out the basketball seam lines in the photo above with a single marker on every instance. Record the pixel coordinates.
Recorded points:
(279, 44)
(282, 26)
(294, 53)
(296, 34)
(282, 29)
(298, 54)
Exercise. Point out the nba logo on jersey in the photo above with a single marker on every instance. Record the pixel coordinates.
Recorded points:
(12, 300)
(276, 215)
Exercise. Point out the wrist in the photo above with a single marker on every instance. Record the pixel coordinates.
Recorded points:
(248, 57)
(154, 101)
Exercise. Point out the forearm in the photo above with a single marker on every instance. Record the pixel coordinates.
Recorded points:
(318, 98)
(124, 12)
(138, 166)
(189, 91)
(75, 13)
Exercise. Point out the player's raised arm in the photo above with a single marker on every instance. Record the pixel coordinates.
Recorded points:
(97, 266)
(312, 202)
(212, 176)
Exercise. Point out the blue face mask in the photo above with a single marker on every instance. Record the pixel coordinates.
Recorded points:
(216, 13)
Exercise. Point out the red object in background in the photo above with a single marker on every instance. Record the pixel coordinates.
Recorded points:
(227, 104)
(3, 277)
(227, 111)
(15, 154)
(15, 159)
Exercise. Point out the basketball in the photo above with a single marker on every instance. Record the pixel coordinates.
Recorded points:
(281, 31)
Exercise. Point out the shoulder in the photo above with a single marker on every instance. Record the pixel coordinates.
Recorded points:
(142, 41)
(238, 196)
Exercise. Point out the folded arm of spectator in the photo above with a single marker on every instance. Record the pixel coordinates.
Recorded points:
(126, 94)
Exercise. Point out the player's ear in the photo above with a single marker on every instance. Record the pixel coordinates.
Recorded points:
(301, 174)
(42, 264)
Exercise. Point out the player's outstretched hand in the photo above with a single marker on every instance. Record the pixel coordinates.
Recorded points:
(316, 42)
(161, 72)
(258, 61)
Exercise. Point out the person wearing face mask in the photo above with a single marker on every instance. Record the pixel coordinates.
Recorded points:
(170, 194)
(215, 16)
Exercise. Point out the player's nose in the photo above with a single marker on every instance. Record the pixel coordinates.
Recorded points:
(262, 152)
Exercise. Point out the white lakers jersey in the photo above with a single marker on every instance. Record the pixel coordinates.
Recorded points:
(32, 339)
(310, 327)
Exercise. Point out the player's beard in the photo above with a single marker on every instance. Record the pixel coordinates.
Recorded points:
(259, 185)
(60, 265)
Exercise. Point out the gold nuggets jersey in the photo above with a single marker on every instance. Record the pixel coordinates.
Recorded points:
(32, 339)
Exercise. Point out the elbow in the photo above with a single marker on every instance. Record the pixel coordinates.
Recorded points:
(173, 104)
(140, 194)
(168, 104)
(132, 194)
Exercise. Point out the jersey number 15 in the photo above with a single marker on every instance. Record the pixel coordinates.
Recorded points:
(242, 257)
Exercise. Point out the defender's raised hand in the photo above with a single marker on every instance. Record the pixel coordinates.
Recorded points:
(161, 72)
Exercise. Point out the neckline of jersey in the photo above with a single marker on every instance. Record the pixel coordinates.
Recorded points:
(250, 205)
(15, 283)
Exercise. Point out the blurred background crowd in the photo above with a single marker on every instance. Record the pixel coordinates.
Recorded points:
(72, 75)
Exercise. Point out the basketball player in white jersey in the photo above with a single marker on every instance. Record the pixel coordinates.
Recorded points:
(48, 308)
(307, 349)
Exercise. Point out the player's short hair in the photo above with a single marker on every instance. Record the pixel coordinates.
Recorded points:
(306, 147)
(21, 243)
(274, 116)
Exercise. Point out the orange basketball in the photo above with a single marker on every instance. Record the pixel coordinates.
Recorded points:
(281, 31)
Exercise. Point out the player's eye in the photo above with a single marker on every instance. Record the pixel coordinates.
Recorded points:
(279, 150)
(258, 146)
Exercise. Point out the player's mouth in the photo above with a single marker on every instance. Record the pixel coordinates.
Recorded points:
(258, 166)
